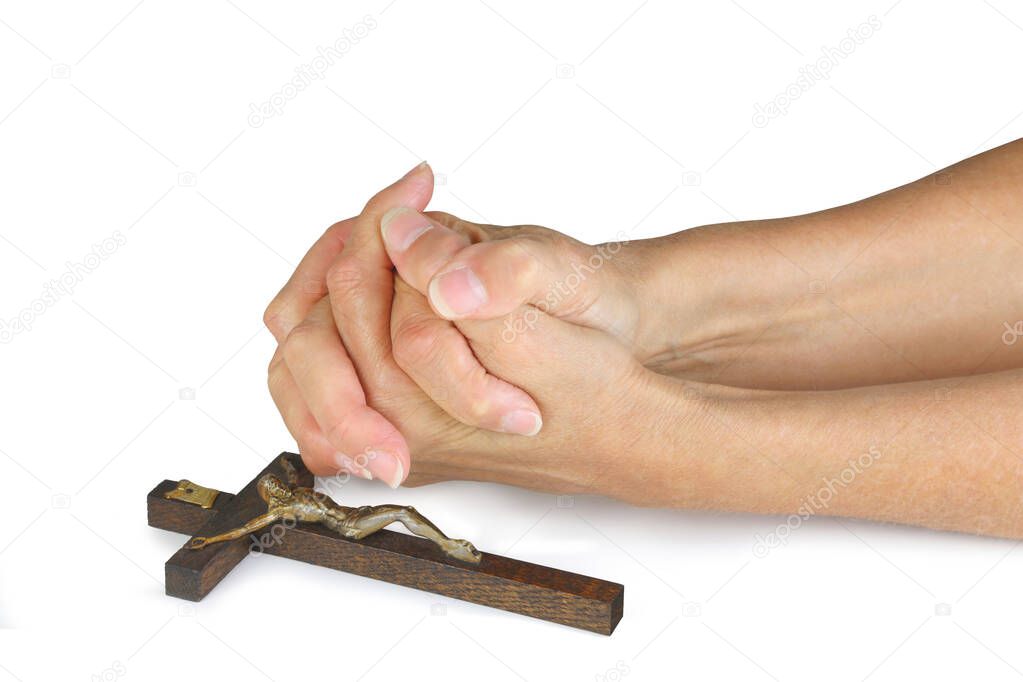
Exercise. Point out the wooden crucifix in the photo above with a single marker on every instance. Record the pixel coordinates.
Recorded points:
(267, 516)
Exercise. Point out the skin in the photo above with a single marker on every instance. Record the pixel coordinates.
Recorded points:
(848, 362)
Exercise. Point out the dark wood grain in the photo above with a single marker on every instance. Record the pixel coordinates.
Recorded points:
(191, 574)
(178, 516)
(518, 586)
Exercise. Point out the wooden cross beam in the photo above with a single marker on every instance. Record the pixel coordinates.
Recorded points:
(546, 593)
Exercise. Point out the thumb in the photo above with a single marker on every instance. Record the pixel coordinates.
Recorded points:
(489, 279)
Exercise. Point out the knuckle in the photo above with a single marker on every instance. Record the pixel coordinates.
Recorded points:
(522, 253)
(313, 287)
(514, 262)
(276, 366)
(476, 405)
(340, 230)
(347, 428)
(414, 342)
(344, 275)
(376, 204)
(298, 341)
(474, 412)
(271, 316)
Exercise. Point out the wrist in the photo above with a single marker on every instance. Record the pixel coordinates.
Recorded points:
(704, 295)
(695, 445)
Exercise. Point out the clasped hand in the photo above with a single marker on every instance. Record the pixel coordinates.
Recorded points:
(741, 367)
(417, 347)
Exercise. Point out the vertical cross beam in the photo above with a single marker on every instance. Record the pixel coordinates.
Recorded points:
(192, 574)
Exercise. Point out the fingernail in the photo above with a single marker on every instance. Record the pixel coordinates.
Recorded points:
(386, 466)
(522, 422)
(345, 462)
(401, 226)
(399, 474)
(457, 293)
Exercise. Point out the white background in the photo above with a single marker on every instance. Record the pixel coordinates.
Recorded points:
(134, 118)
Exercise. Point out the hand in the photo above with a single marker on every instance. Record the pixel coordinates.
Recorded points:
(319, 373)
(331, 436)
(326, 409)
(615, 427)
(476, 272)
(599, 402)
(570, 279)
(482, 272)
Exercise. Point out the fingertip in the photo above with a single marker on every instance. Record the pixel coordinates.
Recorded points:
(414, 190)
(387, 466)
(421, 175)
(522, 422)
(437, 301)
(514, 410)
(457, 293)
(378, 449)
(346, 463)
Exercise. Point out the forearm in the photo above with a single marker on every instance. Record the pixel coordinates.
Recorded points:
(943, 454)
(912, 284)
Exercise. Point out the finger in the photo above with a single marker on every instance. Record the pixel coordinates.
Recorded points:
(360, 282)
(307, 284)
(437, 358)
(418, 245)
(530, 348)
(306, 287)
(318, 454)
(361, 279)
(330, 387)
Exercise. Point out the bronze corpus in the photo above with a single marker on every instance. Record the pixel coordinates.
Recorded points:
(291, 503)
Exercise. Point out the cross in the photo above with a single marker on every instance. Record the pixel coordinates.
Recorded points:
(496, 581)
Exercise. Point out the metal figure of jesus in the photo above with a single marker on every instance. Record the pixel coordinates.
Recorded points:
(292, 503)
